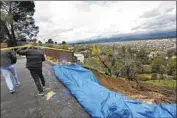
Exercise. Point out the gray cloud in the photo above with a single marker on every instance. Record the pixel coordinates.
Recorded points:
(85, 19)
(162, 8)
(152, 13)
(158, 19)
(159, 23)
(135, 28)
(170, 9)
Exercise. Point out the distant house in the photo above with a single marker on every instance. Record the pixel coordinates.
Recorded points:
(80, 57)
(173, 57)
(84, 52)
(152, 54)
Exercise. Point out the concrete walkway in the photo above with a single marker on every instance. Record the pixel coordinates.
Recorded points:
(57, 102)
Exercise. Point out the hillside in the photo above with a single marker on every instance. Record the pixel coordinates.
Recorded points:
(128, 37)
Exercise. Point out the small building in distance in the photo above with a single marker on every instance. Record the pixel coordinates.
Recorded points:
(80, 57)
(173, 57)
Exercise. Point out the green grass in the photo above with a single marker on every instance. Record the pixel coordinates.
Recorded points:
(144, 77)
(169, 83)
(122, 78)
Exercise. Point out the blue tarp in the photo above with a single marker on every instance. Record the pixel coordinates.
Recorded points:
(101, 102)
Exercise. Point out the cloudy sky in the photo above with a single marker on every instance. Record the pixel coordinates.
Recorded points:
(81, 20)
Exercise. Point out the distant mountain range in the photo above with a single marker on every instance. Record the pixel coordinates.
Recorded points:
(129, 37)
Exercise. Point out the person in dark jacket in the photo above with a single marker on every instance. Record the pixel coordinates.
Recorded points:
(8, 60)
(34, 57)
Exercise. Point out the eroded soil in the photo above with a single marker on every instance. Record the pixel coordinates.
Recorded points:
(146, 93)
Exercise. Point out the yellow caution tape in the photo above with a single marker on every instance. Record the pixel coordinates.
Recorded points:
(13, 47)
(53, 48)
(9, 48)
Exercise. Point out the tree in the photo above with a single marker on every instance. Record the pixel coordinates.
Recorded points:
(142, 56)
(158, 64)
(39, 42)
(170, 53)
(110, 60)
(63, 46)
(171, 68)
(121, 63)
(123, 51)
(63, 42)
(17, 20)
(77, 48)
(50, 41)
(129, 67)
(55, 42)
(102, 58)
(162, 70)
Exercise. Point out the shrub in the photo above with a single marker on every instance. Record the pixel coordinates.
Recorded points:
(157, 64)
(147, 68)
(144, 77)
(154, 76)
(63, 46)
(49, 45)
(174, 75)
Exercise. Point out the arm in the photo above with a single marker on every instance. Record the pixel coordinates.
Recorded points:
(22, 52)
(13, 56)
(43, 57)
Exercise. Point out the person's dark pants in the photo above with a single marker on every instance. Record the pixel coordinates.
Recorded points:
(36, 73)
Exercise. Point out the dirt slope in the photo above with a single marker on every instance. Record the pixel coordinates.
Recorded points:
(145, 92)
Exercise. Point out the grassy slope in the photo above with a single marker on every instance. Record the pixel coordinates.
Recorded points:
(169, 83)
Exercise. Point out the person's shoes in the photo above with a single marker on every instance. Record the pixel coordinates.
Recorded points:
(12, 91)
(43, 87)
(40, 94)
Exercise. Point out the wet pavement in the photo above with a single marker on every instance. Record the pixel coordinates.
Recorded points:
(24, 103)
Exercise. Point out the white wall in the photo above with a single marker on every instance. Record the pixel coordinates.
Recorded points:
(80, 57)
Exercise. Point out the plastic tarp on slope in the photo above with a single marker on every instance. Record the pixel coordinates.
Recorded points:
(101, 102)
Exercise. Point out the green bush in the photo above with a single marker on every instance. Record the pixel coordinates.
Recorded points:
(169, 83)
(50, 45)
(171, 68)
(174, 75)
(63, 46)
(157, 64)
(147, 68)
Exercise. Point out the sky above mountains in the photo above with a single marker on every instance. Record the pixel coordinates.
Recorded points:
(82, 20)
